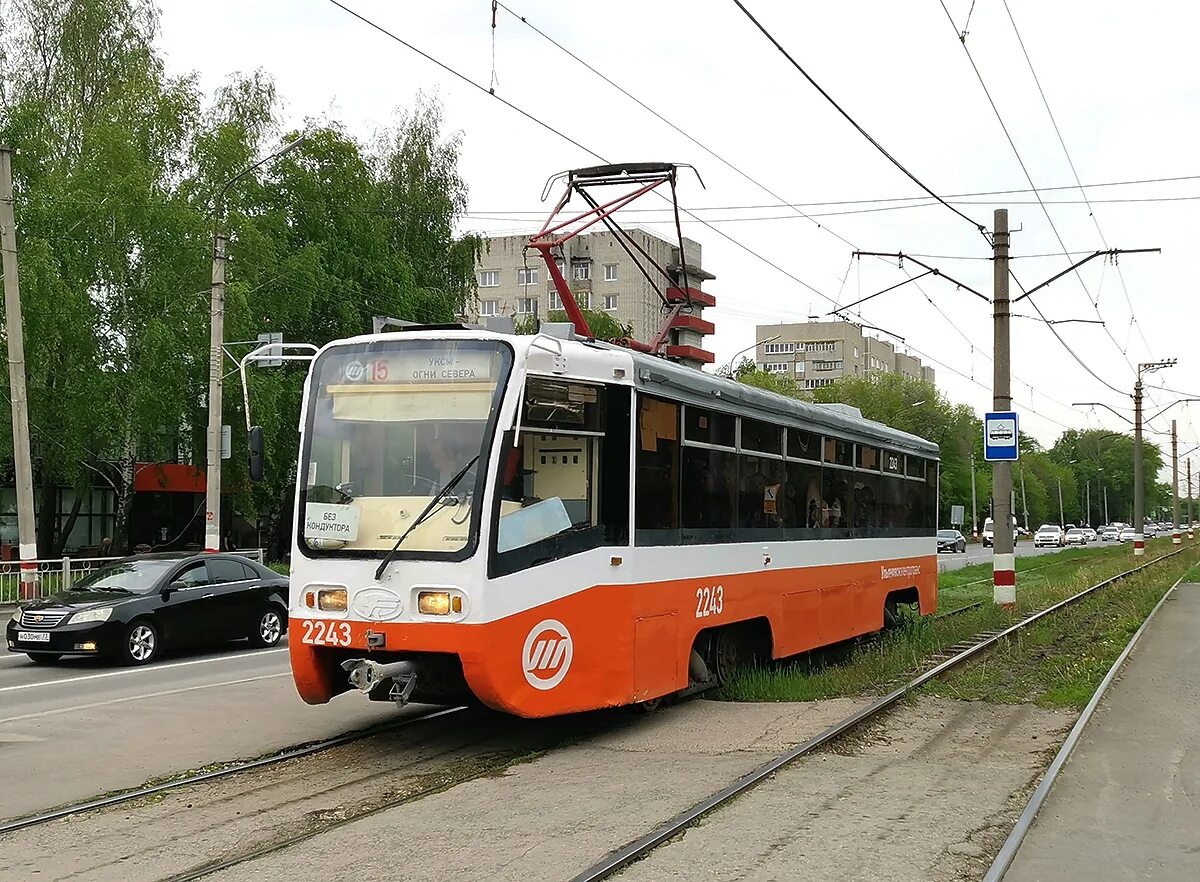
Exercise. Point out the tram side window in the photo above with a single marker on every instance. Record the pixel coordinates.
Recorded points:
(803, 501)
(708, 486)
(893, 513)
(835, 492)
(865, 504)
(761, 489)
(930, 491)
(657, 488)
(563, 488)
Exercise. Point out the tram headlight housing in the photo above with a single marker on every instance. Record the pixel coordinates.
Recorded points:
(332, 599)
(438, 603)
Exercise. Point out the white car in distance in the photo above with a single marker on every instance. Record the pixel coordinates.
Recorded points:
(1076, 536)
(1049, 535)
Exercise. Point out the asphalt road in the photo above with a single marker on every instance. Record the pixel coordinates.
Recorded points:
(977, 554)
(82, 728)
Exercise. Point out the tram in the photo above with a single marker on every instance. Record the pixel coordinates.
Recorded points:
(550, 524)
(547, 523)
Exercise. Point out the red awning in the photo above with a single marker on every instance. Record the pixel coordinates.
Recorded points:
(168, 477)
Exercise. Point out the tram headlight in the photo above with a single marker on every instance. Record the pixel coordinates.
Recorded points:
(438, 603)
(332, 599)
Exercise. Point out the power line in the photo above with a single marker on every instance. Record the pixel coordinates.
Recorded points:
(978, 226)
(735, 242)
(1045, 211)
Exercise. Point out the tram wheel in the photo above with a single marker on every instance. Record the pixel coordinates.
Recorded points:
(730, 650)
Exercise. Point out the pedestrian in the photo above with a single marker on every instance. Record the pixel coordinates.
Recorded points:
(227, 542)
(106, 547)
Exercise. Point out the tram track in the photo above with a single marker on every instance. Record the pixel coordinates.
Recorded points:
(640, 847)
(226, 770)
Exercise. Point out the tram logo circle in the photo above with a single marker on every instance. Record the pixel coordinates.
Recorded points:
(546, 657)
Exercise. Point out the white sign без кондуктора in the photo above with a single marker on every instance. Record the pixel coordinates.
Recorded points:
(327, 521)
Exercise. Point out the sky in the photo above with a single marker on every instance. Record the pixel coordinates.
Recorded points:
(1120, 81)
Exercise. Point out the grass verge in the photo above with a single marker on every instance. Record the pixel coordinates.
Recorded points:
(1060, 660)
(871, 665)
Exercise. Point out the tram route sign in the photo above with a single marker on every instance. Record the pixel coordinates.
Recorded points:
(1000, 436)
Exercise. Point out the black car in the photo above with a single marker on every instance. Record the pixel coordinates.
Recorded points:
(132, 608)
(952, 541)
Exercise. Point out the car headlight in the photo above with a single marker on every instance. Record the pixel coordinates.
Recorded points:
(92, 615)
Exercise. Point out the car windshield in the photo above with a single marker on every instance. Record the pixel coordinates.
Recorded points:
(389, 423)
(129, 576)
(947, 534)
(1075, 532)
(1047, 528)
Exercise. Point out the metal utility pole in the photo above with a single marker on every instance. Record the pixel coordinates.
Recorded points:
(1139, 466)
(1106, 520)
(1176, 538)
(974, 503)
(1062, 521)
(26, 526)
(1191, 528)
(1004, 575)
(216, 365)
(1024, 501)
(1088, 489)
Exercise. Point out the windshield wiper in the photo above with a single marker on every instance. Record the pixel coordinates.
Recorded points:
(437, 497)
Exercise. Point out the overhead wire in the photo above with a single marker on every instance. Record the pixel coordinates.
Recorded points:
(742, 246)
(1049, 218)
(766, 33)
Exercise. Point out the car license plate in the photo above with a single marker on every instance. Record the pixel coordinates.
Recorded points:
(33, 637)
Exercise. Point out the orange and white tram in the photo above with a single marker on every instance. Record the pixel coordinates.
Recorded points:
(551, 524)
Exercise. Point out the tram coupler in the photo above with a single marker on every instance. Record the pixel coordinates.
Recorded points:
(368, 676)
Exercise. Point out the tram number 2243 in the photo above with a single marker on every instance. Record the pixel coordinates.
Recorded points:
(710, 601)
(319, 632)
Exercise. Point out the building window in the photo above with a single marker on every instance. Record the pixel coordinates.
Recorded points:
(582, 271)
(856, 352)
(489, 307)
(817, 384)
(828, 365)
(527, 276)
(779, 348)
(776, 367)
(555, 300)
(610, 272)
(819, 346)
(562, 267)
(584, 299)
(610, 301)
(489, 279)
(527, 306)
(799, 367)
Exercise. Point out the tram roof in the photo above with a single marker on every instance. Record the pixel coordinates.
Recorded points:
(708, 390)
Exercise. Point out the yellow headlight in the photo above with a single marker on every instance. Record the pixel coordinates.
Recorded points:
(435, 603)
(332, 599)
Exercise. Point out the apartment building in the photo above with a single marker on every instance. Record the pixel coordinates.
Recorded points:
(603, 277)
(816, 353)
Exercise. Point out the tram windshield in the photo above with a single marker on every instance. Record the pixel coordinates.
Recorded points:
(390, 425)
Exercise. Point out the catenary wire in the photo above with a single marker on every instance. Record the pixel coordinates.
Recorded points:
(763, 259)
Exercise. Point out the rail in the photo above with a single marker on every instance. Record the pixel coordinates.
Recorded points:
(638, 848)
(55, 574)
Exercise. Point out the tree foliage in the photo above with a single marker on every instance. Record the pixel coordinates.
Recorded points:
(118, 178)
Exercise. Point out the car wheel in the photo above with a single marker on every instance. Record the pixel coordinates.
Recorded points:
(268, 627)
(140, 645)
(44, 658)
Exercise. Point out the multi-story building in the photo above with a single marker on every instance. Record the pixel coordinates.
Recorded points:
(816, 353)
(513, 281)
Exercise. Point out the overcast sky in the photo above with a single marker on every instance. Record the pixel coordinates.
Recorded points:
(1120, 79)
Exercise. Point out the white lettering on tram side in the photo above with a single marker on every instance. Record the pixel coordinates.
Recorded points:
(710, 601)
(547, 654)
(899, 572)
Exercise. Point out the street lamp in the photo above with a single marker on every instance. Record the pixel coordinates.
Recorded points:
(728, 370)
(212, 478)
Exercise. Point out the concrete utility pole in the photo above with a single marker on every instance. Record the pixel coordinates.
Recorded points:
(1088, 494)
(1176, 537)
(216, 366)
(1139, 465)
(1004, 575)
(26, 526)
(216, 353)
(1062, 521)
(1106, 520)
